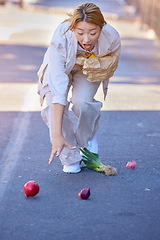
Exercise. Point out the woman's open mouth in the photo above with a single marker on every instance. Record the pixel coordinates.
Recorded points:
(87, 46)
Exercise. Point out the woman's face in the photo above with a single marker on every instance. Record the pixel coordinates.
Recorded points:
(87, 34)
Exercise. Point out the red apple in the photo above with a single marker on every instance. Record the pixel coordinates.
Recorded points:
(31, 189)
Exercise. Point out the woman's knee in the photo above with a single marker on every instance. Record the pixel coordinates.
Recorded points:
(80, 106)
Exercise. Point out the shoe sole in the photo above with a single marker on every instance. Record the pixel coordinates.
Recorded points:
(72, 172)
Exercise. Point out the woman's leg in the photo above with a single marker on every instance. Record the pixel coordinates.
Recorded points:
(86, 108)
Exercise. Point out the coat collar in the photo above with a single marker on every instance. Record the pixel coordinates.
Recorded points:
(104, 42)
(72, 52)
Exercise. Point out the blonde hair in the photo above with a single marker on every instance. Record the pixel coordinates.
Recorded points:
(87, 12)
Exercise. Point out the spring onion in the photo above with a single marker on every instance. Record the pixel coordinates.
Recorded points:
(92, 161)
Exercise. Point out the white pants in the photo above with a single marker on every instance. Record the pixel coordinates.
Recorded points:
(87, 111)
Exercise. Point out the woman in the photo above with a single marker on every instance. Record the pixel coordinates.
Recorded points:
(77, 58)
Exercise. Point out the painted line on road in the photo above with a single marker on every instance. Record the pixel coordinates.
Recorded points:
(16, 142)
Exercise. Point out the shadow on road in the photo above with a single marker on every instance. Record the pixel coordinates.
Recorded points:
(20, 63)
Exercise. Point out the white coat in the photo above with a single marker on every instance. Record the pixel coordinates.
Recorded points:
(60, 58)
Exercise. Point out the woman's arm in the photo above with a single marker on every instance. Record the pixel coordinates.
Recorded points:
(59, 142)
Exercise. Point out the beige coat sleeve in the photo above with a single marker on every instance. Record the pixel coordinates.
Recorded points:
(58, 79)
(116, 49)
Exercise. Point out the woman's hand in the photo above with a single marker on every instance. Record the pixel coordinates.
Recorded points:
(59, 142)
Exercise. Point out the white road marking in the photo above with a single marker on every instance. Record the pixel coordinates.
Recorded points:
(16, 142)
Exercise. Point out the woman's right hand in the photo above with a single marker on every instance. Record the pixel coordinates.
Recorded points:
(59, 142)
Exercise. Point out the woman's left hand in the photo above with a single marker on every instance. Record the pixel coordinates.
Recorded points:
(59, 142)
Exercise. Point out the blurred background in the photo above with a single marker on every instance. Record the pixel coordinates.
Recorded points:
(26, 28)
(122, 207)
(148, 10)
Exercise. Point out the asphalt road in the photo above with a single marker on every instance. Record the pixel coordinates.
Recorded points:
(120, 207)
(125, 206)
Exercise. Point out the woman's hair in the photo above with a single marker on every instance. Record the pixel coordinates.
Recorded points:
(87, 12)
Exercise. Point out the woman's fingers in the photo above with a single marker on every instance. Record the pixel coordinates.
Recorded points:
(57, 151)
(53, 153)
(69, 146)
(52, 156)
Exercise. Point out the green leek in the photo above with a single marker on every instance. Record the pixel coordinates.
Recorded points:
(92, 161)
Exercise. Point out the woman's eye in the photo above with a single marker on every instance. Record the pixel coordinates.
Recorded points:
(80, 33)
(93, 34)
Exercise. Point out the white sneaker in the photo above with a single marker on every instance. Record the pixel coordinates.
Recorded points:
(93, 145)
(72, 168)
